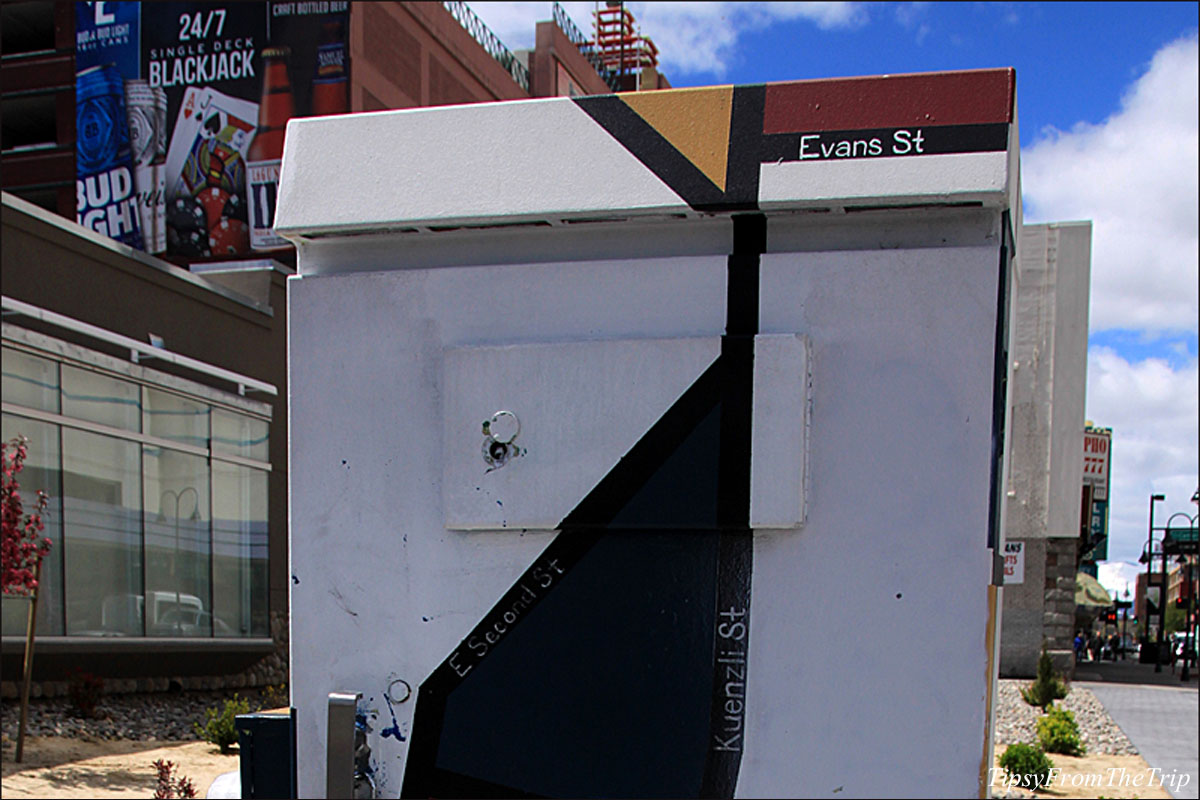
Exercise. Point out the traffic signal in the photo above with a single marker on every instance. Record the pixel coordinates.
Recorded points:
(1111, 616)
(1181, 602)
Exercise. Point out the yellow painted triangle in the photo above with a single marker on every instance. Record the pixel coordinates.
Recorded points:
(694, 121)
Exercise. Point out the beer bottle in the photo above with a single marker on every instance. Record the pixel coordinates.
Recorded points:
(329, 77)
(266, 151)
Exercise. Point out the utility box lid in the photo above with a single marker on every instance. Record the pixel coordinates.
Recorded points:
(898, 140)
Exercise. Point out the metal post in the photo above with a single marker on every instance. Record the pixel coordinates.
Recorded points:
(25, 681)
(1162, 613)
(1149, 573)
(1124, 622)
(339, 744)
(1188, 643)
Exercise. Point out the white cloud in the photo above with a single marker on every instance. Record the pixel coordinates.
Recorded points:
(1153, 411)
(1119, 576)
(1135, 176)
(691, 37)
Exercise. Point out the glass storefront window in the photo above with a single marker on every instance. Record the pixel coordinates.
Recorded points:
(178, 598)
(239, 550)
(30, 381)
(239, 435)
(102, 515)
(147, 540)
(169, 416)
(40, 472)
(98, 398)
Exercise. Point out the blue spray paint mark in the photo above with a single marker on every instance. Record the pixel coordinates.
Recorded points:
(394, 730)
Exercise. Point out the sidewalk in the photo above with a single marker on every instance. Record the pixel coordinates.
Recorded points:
(1157, 711)
(1130, 671)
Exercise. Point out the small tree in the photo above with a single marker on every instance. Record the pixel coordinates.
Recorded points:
(1048, 686)
(21, 550)
(23, 545)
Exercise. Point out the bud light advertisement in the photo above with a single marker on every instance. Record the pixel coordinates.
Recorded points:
(181, 109)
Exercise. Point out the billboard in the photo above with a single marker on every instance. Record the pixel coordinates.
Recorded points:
(1097, 455)
(180, 112)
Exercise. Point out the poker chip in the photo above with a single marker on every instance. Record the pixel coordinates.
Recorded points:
(187, 243)
(185, 214)
(235, 208)
(213, 200)
(229, 237)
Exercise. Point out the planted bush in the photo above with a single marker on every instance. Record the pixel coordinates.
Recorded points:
(1047, 687)
(84, 689)
(169, 786)
(1026, 766)
(219, 728)
(1059, 733)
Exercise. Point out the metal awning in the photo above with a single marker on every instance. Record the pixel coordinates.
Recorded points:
(1089, 592)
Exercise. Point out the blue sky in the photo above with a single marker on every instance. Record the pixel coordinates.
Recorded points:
(1107, 109)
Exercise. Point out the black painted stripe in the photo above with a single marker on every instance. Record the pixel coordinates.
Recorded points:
(722, 393)
(619, 486)
(731, 635)
(579, 532)
(885, 142)
(1000, 380)
(745, 150)
(652, 149)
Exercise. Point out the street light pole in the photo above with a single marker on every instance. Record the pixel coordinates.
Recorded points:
(1124, 620)
(177, 497)
(1154, 498)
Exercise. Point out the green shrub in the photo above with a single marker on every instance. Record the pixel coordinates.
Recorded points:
(219, 726)
(1058, 733)
(274, 696)
(1026, 766)
(84, 689)
(1048, 686)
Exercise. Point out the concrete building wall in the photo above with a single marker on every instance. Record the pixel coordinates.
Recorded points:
(1049, 354)
(1073, 244)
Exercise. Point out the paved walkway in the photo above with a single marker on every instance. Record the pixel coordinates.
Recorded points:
(1160, 716)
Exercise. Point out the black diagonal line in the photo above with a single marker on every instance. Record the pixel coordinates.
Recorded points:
(652, 149)
(619, 486)
(580, 530)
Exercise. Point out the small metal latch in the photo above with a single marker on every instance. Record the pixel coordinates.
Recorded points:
(499, 434)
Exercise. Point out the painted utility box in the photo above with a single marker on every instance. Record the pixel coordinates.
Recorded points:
(650, 445)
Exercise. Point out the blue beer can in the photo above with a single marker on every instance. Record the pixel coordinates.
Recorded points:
(105, 198)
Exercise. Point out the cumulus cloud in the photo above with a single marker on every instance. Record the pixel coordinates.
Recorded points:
(1135, 176)
(691, 37)
(1153, 411)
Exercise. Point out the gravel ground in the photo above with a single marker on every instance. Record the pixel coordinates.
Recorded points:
(1016, 720)
(169, 716)
(165, 716)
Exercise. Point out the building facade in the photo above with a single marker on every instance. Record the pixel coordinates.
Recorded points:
(150, 396)
(168, 472)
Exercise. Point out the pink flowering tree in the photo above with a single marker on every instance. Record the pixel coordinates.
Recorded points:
(22, 549)
(23, 544)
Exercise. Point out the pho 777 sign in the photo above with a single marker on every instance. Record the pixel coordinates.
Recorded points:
(1096, 450)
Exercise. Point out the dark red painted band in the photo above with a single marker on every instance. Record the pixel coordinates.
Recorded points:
(898, 101)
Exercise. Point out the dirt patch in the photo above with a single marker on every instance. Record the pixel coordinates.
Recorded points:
(61, 767)
(1100, 775)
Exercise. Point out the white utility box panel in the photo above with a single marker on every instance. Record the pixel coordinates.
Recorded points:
(651, 444)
